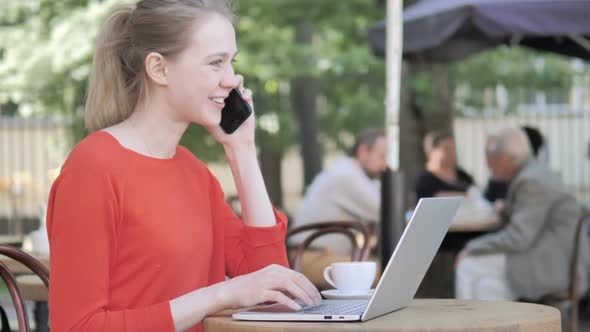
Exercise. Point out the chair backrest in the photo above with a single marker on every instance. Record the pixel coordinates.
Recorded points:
(351, 229)
(15, 293)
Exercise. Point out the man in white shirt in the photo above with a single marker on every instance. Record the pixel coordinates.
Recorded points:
(348, 191)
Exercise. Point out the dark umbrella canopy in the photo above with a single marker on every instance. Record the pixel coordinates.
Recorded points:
(449, 30)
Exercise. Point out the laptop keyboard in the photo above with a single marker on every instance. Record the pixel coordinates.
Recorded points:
(338, 308)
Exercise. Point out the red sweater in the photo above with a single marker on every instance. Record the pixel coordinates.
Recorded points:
(128, 233)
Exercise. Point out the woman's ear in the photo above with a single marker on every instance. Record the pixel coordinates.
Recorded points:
(156, 68)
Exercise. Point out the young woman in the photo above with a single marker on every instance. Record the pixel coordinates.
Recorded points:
(141, 237)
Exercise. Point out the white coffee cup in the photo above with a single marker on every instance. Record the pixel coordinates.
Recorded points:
(351, 277)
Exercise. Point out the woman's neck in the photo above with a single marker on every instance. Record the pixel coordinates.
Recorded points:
(151, 130)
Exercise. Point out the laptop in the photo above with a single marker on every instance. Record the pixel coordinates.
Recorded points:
(400, 280)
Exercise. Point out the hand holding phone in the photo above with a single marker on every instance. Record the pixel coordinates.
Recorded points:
(235, 112)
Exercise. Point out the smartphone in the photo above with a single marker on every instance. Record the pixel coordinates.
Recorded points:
(235, 112)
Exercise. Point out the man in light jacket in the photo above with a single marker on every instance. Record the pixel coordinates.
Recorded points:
(347, 191)
(530, 256)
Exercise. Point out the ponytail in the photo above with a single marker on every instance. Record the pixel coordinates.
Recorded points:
(118, 80)
(110, 98)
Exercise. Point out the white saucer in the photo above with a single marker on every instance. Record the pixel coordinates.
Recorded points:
(335, 294)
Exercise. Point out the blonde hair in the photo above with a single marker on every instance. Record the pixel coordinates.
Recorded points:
(118, 80)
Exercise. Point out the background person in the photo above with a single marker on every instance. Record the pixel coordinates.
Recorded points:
(530, 256)
(496, 189)
(348, 191)
(441, 176)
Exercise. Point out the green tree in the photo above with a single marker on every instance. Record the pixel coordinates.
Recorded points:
(47, 46)
(46, 55)
(520, 71)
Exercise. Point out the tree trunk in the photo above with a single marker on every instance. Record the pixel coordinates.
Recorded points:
(270, 165)
(410, 137)
(269, 155)
(442, 118)
(304, 94)
(415, 121)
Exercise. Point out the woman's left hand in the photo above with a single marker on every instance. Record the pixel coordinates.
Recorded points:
(244, 135)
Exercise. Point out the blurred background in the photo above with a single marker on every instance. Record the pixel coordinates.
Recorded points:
(316, 83)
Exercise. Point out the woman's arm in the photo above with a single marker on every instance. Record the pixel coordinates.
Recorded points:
(240, 151)
(268, 284)
(254, 200)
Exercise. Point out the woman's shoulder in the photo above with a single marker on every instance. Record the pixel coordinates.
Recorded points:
(192, 164)
(425, 175)
(97, 150)
(463, 175)
(187, 157)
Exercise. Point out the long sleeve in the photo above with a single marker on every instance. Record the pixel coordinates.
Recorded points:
(82, 226)
(247, 249)
(525, 224)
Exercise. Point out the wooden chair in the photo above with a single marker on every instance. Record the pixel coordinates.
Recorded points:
(13, 288)
(351, 229)
(570, 299)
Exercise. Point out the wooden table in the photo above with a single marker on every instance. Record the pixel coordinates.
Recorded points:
(475, 225)
(32, 288)
(15, 240)
(18, 268)
(439, 281)
(421, 316)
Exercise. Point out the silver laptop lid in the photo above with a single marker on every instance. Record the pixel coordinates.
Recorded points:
(412, 256)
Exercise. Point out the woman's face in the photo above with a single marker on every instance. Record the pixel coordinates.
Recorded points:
(445, 152)
(202, 75)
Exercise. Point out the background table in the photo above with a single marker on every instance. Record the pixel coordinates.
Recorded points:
(18, 268)
(422, 316)
(32, 288)
(13, 240)
(439, 281)
(475, 225)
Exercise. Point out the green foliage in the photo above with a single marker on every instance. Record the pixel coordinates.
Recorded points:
(422, 84)
(520, 71)
(47, 47)
(516, 72)
(47, 50)
(351, 78)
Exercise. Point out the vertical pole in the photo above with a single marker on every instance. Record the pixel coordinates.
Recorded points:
(392, 194)
(393, 58)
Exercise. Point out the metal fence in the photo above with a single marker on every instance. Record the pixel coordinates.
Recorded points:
(31, 152)
(33, 149)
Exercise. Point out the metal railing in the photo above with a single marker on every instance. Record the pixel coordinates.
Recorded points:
(31, 152)
(566, 133)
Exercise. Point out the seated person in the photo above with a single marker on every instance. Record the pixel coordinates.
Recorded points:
(442, 176)
(496, 189)
(348, 191)
(530, 256)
